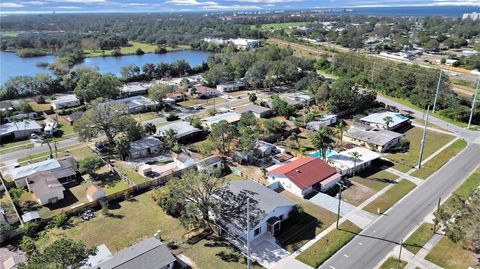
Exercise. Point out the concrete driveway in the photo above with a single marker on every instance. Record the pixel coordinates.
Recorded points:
(265, 251)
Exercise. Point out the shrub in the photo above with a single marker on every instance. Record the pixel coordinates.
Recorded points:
(59, 220)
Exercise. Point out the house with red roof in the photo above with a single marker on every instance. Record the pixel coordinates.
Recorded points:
(205, 92)
(304, 176)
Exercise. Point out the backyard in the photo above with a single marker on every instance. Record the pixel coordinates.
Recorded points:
(129, 172)
(324, 248)
(302, 227)
(390, 197)
(407, 160)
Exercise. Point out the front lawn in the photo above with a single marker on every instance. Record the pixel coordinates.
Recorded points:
(328, 245)
(440, 160)
(390, 197)
(206, 102)
(419, 238)
(145, 116)
(407, 160)
(470, 184)
(392, 263)
(366, 184)
(303, 227)
(40, 107)
(449, 255)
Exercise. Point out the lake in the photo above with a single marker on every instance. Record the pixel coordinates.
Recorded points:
(11, 65)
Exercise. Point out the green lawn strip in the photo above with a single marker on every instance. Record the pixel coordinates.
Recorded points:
(46, 153)
(390, 197)
(205, 102)
(440, 159)
(328, 245)
(303, 227)
(145, 116)
(404, 161)
(392, 263)
(7, 205)
(40, 107)
(271, 26)
(436, 114)
(419, 238)
(21, 146)
(130, 173)
(449, 255)
(469, 185)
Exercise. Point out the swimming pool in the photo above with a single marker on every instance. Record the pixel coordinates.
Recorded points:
(316, 154)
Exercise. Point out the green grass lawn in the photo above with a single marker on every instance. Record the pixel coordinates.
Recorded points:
(304, 226)
(440, 160)
(406, 161)
(449, 255)
(319, 252)
(366, 184)
(390, 197)
(419, 238)
(147, 48)
(38, 156)
(129, 172)
(145, 116)
(205, 102)
(8, 34)
(469, 185)
(392, 263)
(40, 107)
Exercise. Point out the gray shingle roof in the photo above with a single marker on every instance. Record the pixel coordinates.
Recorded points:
(19, 126)
(252, 108)
(375, 136)
(150, 253)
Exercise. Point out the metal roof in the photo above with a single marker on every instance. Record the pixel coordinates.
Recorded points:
(18, 126)
(377, 118)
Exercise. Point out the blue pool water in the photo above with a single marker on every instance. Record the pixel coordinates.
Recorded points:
(316, 154)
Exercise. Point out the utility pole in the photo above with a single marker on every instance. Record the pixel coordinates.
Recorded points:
(339, 202)
(472, 109)
(373, 71)
(334, 54)
(423, 139)
(248, 233)
(438, 89)
(400, 255)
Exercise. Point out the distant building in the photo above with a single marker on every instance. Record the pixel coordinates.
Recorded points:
(135, 88)
(230, 86)
(134, 104)
(473, 16)
(205, 92)
(373, 138)
(65, 101)
(19, 130)
(379, 120)
(244, 43)
(150, 253)
(145, 147)
(258, 111)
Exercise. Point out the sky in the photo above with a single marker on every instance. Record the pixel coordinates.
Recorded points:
(80, 6)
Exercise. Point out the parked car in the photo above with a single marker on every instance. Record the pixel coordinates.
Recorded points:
(172, 117)
(197, 107)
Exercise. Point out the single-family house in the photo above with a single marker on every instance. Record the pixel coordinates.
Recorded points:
(326, 120)
(65, 101)
(386, 120)
(64, 169)
(74, 116)
(184, 161)
(101, 255)
(94, 193)
(45, 186)
(175, 97)
(183, 130)
(245, 43)
(301, 97)
(348, 164)
(18, 130)
(205, 92)
(230, 117)
(150, 253)
(268, 209)
(211, 162)
(257, 111)
(304, 176)
(373, 138)
(230, 86)
(135, 88)
(134, 104)
(145, 147)
(293, 102)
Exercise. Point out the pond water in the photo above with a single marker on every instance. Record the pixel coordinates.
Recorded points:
(11, 65)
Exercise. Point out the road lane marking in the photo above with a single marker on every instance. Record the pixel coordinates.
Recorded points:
(331, 267)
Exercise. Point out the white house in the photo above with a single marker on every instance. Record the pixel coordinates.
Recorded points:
(230, 117)
(245, 43)
(94, 193)
(268, 209)
(19, 130)
(345, 162)
(303, 176)
(65, 101)
(184, 161)
(379, 120)
(230, 86)
(326, 120)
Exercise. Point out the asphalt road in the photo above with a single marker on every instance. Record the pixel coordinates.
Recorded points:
(375, 242)
(378, 240)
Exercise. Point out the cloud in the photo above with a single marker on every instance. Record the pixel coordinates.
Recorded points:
(33, 3)
(66, 7)
(267, 1)
(10, 5)
(231, 7)
(79, 1)
(190, 3)
(435, 3)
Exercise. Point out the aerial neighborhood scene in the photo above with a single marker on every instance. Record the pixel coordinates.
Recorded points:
(279, 134)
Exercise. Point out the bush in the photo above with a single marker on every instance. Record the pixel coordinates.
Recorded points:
(139, 51)
(160, 50)
(59, 220)
(105, 209)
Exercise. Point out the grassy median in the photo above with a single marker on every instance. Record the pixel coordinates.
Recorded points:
(390, 197)
(328, 245)
(391, 263)
(419, 238)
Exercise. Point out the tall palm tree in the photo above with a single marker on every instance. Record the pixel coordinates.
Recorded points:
(388, 120)
(170, 138)
(355, 157)
(341, 127)
(46, 139)
(322, 141)
(150, 128)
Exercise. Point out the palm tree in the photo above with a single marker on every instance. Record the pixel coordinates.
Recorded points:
(341, 127)
(355, 157)
(295, 137)
(150, 128)
(252, 97)
(388, 120)
(322, 141)
(46, 139)
(170, 138)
